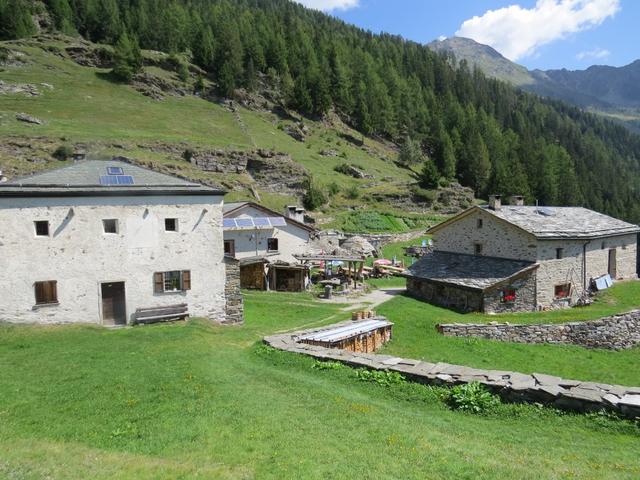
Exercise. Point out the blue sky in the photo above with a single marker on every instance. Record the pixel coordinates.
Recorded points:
(541, 34)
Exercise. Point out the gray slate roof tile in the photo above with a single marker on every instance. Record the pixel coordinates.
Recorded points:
(472, 271)
(84, 177)
(562, 222)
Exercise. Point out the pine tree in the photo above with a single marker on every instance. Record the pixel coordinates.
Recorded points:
(15, 20)
(429, 176)
(410, 153)
(127, 58)
(203, 48)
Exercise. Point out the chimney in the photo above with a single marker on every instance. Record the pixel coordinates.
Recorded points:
(516, 200)
(495, 202)
(294, 213)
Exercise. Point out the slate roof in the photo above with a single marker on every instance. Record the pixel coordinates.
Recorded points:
(83, 178)
(562, 222)
(470, 271)
(231, 207)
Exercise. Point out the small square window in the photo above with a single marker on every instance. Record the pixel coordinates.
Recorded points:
(42, 228)
(173, 281)
(508, 295)
(479, 223)
(272, 245)
(230, 248)
(170, 224)
(562, 291)
(477, 249)
(110, 225)
(46, 292)
(559, 253)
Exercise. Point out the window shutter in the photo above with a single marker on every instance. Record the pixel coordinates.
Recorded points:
(54, 291)
(186, 280)
(158, 283)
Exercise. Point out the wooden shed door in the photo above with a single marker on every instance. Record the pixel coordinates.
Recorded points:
(114, 310)
(612, 263)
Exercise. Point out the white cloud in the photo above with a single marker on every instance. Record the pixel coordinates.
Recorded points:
(328, 5)
(442, 38)
(595, 53)
(518, 32)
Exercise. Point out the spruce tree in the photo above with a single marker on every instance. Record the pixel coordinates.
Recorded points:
(15, 20)
(429, 176)
(127, 58)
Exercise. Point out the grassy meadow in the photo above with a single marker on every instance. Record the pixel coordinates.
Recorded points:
(193, 400)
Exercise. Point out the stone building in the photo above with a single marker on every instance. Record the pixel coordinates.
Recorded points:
(266, 242)
(97, 240)
(498, 258)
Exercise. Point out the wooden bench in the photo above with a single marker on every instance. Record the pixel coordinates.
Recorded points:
(162, 314)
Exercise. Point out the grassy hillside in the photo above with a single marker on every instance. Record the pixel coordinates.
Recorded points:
(80, 104)
(192, 400)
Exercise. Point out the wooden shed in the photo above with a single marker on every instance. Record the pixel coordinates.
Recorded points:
(363, 336)
(253, 273)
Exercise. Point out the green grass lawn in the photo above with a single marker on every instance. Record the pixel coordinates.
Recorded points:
(192, 400)
(415, 336)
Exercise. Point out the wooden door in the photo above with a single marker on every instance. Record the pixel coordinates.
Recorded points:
(612, 263)
(114, 310)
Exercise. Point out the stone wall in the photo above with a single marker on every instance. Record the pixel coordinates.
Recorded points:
(511, 386)
(234, 303)
(498, 238)
(469, 300)
(448, 296)
(80, 256)
(525, 288)
(616, 332)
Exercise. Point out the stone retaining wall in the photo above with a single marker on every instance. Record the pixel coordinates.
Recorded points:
(511, 386)
(615, 332)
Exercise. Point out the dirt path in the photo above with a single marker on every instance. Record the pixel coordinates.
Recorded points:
(368, 300)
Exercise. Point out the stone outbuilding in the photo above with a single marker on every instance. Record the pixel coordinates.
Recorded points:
(265, 242)
(498, 258)
(98, 241)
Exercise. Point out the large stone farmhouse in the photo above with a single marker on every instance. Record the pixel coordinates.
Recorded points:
(266, 242)
(98, 240)
(499, 258)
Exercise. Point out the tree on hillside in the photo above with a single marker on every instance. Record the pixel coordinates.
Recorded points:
(314, 196)
(410, 152)
(429, 176)
(15, 20)
(127, 58)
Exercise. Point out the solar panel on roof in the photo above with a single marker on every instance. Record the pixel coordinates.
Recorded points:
(115, 171)
(547, 212)
(261, 222)
(244, 222)
(278, 221)
(116, 180)
(108, 180)
(228, 222)
(125, 179)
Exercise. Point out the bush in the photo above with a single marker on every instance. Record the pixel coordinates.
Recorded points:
(353, 191)
(381, 377)
(314, 197)
(424, 195)
(318, 365)
(63, 152)
(471, 397)
(333, 188)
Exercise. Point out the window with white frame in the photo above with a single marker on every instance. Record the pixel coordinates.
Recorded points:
(172, 281)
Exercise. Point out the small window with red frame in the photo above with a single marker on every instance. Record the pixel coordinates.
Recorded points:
(508, 295)
(563, 290)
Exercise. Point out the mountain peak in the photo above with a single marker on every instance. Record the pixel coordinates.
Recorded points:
(486, 58)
